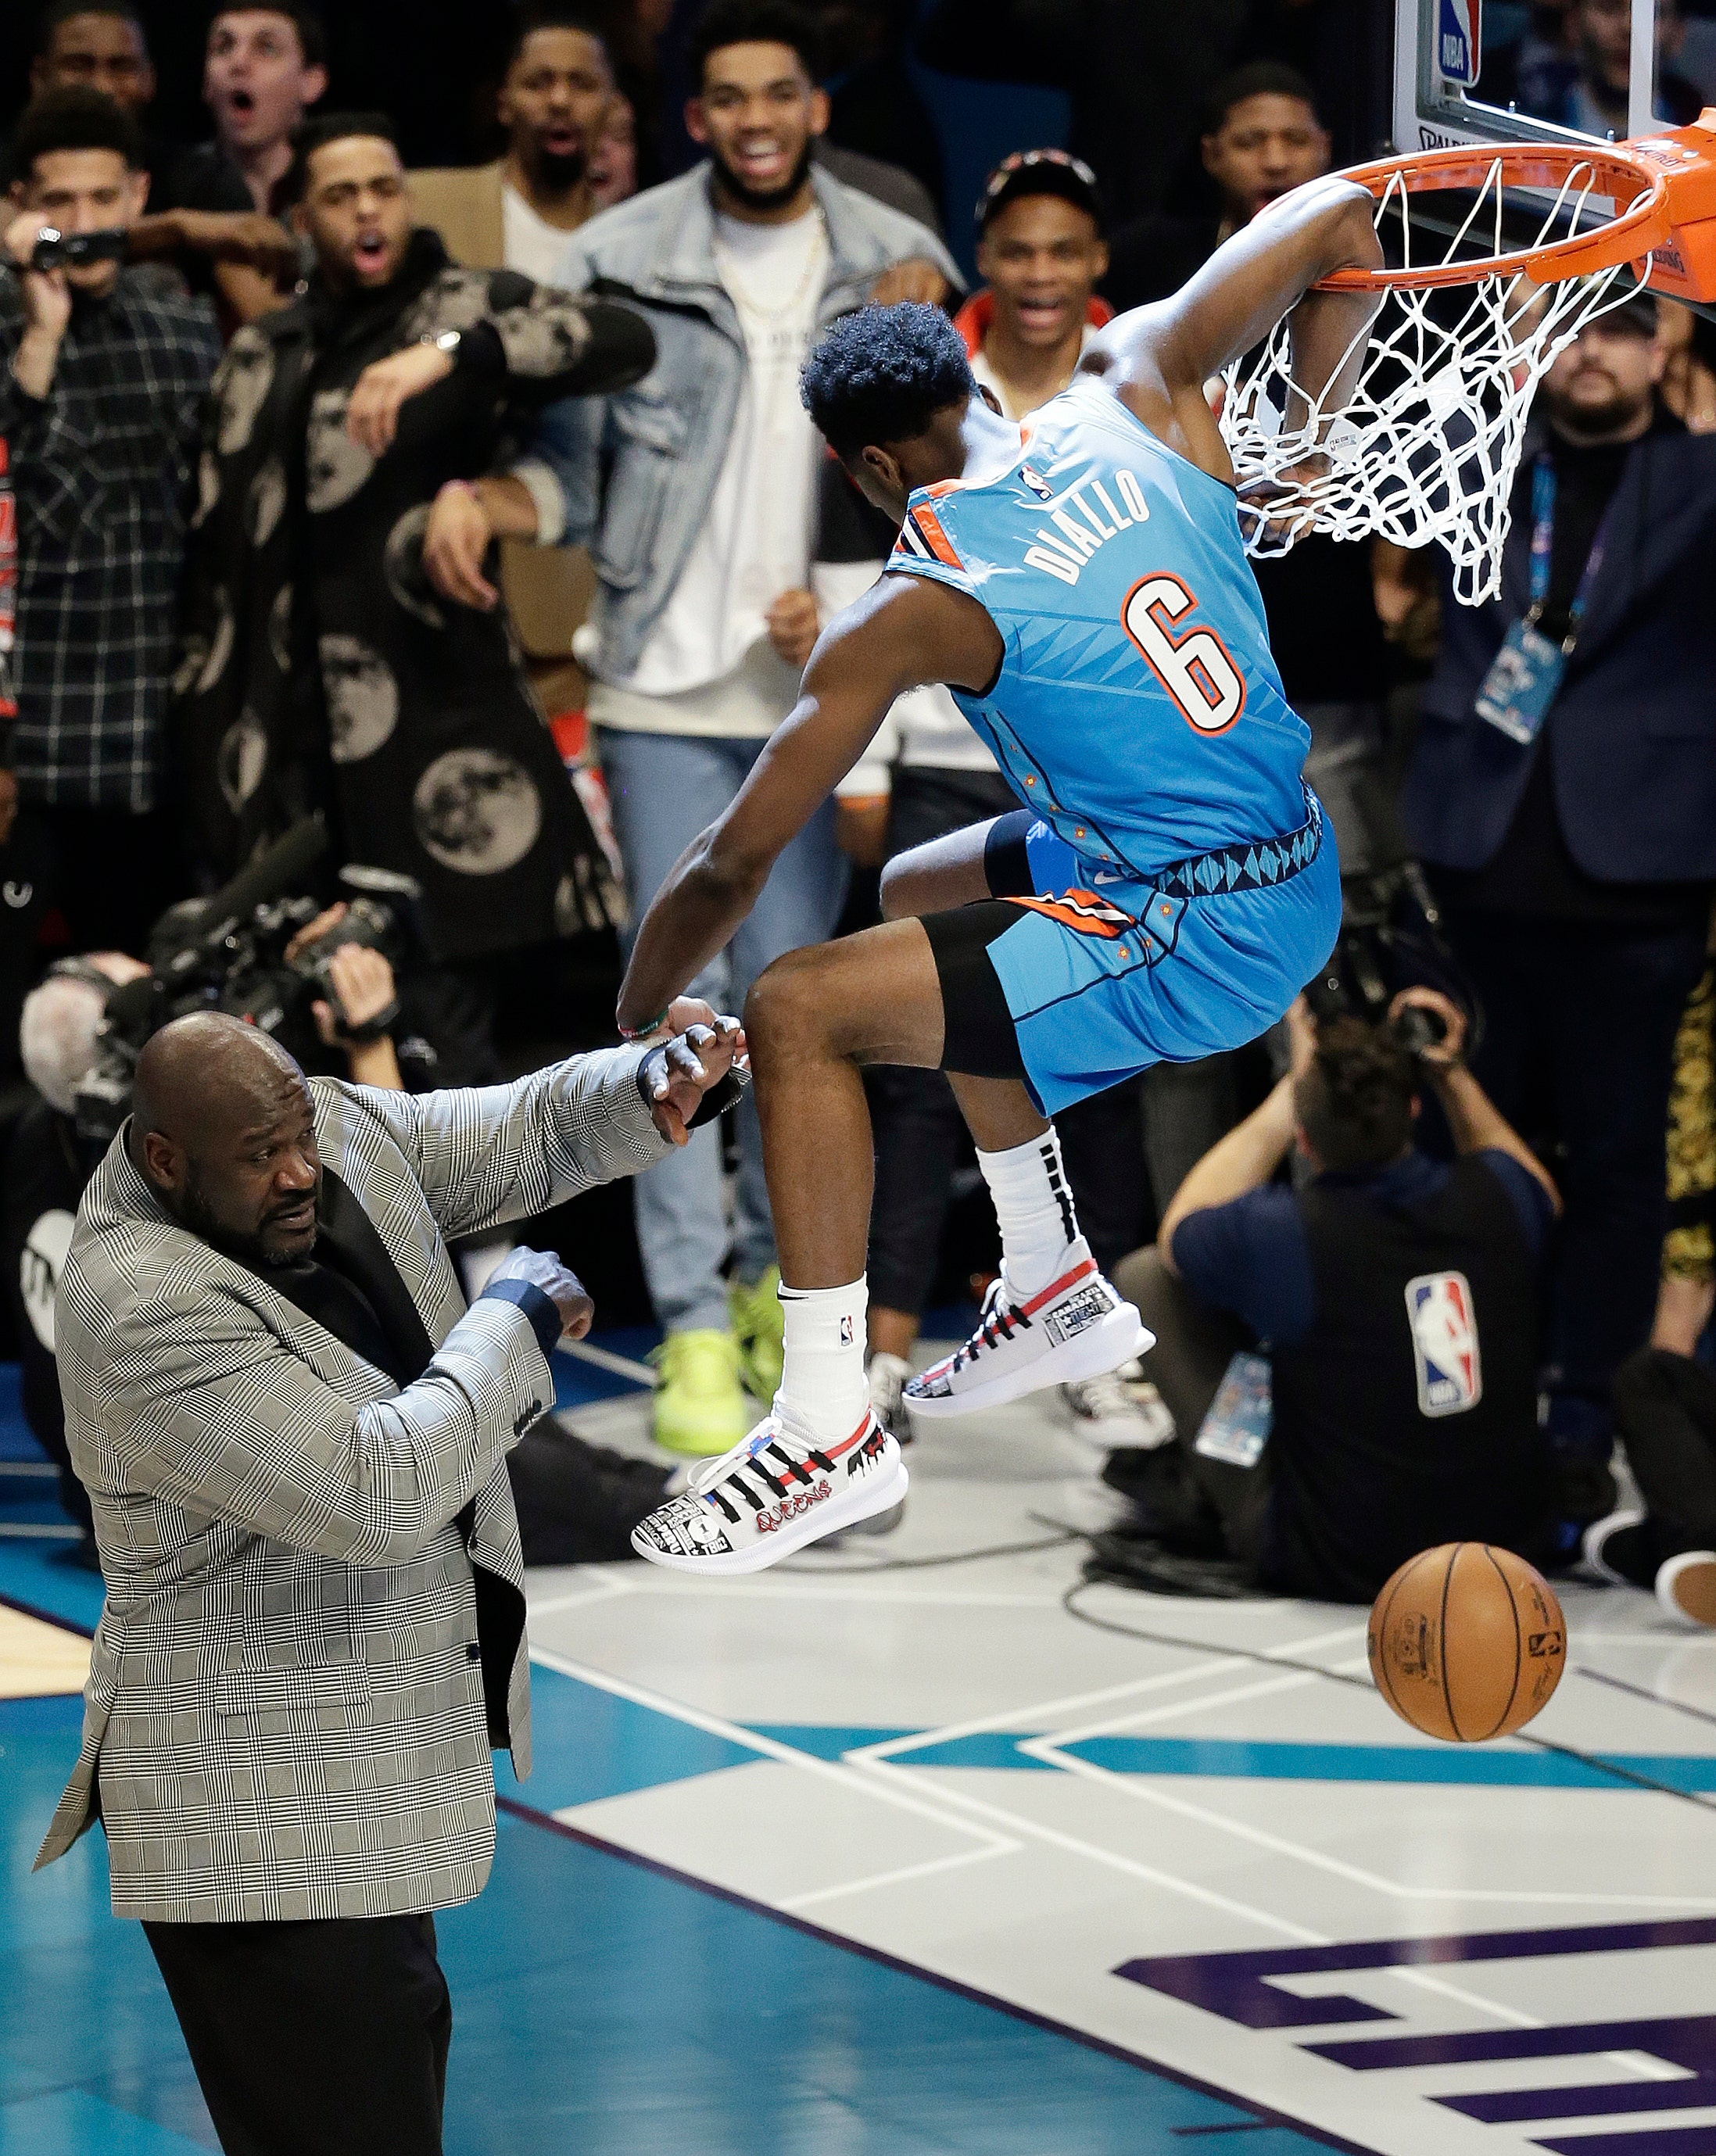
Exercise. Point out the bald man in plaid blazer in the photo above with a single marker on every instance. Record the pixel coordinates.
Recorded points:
(314, 1630)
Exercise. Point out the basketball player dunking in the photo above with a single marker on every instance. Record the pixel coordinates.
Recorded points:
(1080, 585)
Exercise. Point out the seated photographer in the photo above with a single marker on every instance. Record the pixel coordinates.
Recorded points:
(1351, 1366)
(294, 1432)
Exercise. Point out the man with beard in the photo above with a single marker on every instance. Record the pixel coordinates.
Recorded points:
(697, 493)
(293, 1434)
(555, 95)
(1571, 831)
(319, 667)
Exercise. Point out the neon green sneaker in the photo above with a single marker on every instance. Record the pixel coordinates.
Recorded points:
(761, 1326)
(701, 1406)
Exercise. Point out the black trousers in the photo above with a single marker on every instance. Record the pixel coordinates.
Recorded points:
(1665, 1407)
(1581, 1019)
(326, 2038)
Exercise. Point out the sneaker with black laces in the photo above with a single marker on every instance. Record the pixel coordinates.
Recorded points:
(1077, 1326)
(770, 1496)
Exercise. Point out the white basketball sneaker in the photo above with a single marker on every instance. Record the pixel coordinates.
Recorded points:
(1076, 1327)
(770, 1496)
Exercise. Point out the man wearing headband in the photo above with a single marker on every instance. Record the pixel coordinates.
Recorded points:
(1039, 252)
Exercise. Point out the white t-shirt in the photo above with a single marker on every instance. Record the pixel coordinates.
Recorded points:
(536, 249)
(756, 539)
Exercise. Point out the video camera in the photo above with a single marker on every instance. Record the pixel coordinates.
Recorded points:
(1391, 935)
(1390, 939)
(227, 953)
(75, 250)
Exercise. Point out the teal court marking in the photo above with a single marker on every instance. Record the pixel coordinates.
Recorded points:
(1251, 1760)
(602, 2002)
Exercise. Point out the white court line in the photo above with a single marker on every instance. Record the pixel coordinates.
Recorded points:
(824, 1590)
(1046, 1748)
(891, 1878)
(604, 1587)
(878, 1774)
(895, 1747)
(1264, 1688)
(767, 1747)
(21, 1531)
(1419, 1977)
(604, 1358)
(885, 1771)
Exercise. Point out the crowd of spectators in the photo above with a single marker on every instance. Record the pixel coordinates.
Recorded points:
(462, 496)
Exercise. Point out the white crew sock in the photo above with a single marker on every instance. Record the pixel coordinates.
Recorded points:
(823, 1386)
(1034, 1205)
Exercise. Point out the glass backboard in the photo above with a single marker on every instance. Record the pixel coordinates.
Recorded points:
(1535, 70)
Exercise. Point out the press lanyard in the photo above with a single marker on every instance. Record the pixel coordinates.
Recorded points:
(1542, 540)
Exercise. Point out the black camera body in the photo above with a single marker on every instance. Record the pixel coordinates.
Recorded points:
(227, 953)
(1390, 939)
(76, 250)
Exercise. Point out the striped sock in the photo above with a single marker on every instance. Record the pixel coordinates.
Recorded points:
(1034, 1205)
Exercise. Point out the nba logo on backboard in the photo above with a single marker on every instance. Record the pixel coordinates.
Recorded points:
(1459, 40)
(1444, 1343)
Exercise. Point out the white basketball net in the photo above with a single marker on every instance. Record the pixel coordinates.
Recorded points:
(1426, 444)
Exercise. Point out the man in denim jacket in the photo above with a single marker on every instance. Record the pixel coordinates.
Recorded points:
(696, 492)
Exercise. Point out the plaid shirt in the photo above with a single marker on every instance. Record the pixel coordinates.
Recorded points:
(102, 468)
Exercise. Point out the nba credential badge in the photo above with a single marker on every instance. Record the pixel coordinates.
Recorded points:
(1444, 1343)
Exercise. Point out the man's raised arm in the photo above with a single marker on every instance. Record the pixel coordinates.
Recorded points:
(903, 633)
(1158, 358)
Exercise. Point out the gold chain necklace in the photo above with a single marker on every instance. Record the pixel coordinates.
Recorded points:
(746, 302)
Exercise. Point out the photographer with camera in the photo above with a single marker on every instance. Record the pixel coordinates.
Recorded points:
(48, 1163)
(1351, 1365)
(78, 1043)
(102, 382)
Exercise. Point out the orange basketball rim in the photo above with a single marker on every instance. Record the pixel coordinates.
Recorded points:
(1663, 187)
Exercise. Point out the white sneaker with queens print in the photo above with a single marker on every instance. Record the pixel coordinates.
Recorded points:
(770, 1496)
(1077, 1326)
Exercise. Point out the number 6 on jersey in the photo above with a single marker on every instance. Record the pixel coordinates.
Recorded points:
(1194, 669)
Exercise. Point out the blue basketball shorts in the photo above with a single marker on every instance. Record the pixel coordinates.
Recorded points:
(1073, 986)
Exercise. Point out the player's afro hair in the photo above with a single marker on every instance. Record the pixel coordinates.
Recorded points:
(881, 374)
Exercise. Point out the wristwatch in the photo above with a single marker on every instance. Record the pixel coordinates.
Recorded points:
(448, 341)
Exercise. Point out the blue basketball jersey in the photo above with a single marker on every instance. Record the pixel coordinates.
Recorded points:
(1137, 709)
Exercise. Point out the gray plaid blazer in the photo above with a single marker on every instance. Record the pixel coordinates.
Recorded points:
(286, 1697)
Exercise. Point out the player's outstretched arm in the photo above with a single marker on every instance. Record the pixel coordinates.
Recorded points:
(904, 632)
(1158, 358)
